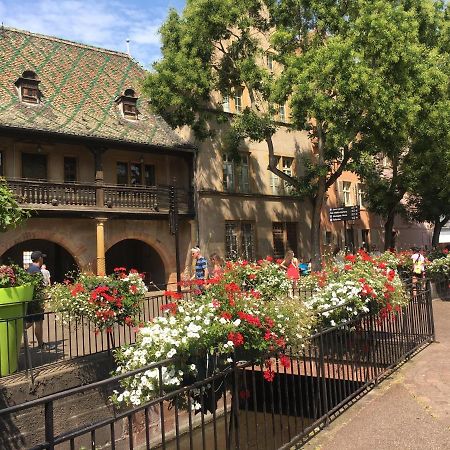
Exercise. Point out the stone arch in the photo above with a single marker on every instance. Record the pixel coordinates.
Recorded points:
(77, 251)
(137, 254)
(58, 259)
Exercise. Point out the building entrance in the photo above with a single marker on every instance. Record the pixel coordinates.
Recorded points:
(59, 261)
(136, 254)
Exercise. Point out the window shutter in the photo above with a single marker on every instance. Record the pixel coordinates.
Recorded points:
(278, 239)
(339, 192)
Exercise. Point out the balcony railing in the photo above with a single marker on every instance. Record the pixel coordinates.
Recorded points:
(54, 195)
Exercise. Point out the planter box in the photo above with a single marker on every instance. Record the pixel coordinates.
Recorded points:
(12, 312)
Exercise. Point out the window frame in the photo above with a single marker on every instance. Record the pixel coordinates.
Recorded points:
(43, 156)
(236, 175)
(347, 193)
(269, 61)
(226, 104)
(284, 229)
(282, 113)
(239, 248)
(238, 101)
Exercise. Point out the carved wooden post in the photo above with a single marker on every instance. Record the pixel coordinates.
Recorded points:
(98, 163)
(101, 260)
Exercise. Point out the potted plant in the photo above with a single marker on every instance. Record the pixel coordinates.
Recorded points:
(16, 288)
(438, 271)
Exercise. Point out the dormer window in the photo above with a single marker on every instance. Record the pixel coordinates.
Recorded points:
(128, 104)
(28, 86)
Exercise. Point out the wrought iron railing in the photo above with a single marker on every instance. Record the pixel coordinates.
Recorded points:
(245, 411)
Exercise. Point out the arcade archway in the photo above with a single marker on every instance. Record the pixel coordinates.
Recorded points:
(136, 254)
(58, 260)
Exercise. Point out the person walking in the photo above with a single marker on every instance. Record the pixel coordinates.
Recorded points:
(217, 265)
(290, 264)
(35, 309)
(418, 266)
(46, 274)
(201, 267)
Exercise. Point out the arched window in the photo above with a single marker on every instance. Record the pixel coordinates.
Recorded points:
(28, 87)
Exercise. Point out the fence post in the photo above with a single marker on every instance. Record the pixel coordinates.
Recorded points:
(324, 383)
(49, 430)
(430, 317)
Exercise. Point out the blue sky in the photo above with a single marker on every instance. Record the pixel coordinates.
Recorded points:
(100, 22)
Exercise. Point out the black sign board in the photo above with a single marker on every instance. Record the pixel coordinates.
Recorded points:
(344, 213)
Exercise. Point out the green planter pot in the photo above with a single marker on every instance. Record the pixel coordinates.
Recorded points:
(13, 307)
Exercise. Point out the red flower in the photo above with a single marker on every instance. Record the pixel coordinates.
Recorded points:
(347, 267)
(389, 287)
(445, 251)
(269, 258)
(236, 338)
(270, 323)
(285, 361)
(226, 315)
(351, 258)
(245, 262)
(260, 262)
(382, 265)
(232, 287)
(120, 269)
(252, 320)
(77, 289)
(133, 271)
(252, 276)
(279, 261)
(129, 321)
(268, 375)
(133, 289)
(171, 307)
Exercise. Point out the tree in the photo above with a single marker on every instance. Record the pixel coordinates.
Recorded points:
(358, 79)
(353, 73)
(11, 214)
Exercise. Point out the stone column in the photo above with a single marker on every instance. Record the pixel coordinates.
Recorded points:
(101, 261)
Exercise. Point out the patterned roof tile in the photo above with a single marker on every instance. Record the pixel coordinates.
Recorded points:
(79, 85)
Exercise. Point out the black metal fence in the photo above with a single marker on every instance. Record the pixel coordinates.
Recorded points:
(64, 340)
(237, 407)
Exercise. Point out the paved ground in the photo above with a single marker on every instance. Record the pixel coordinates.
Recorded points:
(409, 410)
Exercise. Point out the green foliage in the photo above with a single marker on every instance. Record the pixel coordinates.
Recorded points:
(11, 214)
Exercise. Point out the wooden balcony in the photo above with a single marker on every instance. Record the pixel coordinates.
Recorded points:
(55, 196)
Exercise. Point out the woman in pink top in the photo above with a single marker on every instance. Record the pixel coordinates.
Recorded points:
(290, 264)
(217, 262)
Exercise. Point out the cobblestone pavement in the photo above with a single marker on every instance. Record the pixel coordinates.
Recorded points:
(409, 410)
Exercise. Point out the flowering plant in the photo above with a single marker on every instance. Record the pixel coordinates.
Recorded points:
(12, 276)
(228, 320)
(104, 301)
(439, 268)
(361, 283)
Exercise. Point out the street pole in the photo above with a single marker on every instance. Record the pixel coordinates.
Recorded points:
(173, 226)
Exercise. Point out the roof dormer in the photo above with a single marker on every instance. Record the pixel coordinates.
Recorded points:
(127, 103)
(28, 87)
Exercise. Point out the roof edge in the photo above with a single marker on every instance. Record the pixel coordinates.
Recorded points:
(65, 41)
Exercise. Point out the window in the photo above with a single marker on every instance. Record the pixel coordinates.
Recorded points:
(346, 191)
(269, 61)
(70, 169)
(149, 175)
(238, 100)
(122, 173)
(285, 238)
(282, 113)
(278, 186)
(28, 86)
(128, 104)
(236, 174)
(228, 173)
(34, 166)
(2, 163)
(240, 240)
(135, 174)
(361, 195)
(226, 103)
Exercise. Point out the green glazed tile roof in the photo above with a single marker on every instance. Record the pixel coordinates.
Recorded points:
(79, 85)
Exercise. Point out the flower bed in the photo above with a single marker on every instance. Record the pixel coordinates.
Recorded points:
(104, 301)
(247, 309)
(439, 269)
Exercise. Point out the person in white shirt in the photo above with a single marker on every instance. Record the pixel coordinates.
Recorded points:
(46, 275)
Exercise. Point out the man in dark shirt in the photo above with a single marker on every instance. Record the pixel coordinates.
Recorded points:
(35, 309)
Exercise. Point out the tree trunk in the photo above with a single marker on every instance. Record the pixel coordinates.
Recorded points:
(316, 257)
(388, 229)
(436, 233)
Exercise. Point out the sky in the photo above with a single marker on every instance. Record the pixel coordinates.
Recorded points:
(102, 23)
